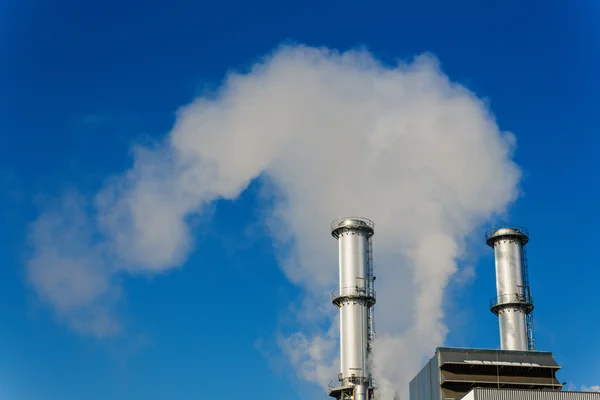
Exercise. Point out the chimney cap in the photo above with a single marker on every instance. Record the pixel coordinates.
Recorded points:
(515, 232)
(352, 223)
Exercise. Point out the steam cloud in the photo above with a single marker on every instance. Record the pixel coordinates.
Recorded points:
(333, 134)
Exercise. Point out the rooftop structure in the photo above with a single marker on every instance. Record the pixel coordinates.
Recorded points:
(453, 372)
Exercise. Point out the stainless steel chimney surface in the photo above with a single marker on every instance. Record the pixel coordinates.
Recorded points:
(355, 299)
(513, 304)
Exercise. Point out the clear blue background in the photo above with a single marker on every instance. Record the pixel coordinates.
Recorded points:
(80, 82)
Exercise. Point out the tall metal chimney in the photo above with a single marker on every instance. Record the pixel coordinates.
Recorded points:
(513, 304)
(355, 299)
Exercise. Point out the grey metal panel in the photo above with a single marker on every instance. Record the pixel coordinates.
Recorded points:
(426, 385)
(514, 394)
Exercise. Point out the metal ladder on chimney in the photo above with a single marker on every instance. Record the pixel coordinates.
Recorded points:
(529, 318)
(370, 284)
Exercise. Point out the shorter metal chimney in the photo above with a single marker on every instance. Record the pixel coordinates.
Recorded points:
(513, 304)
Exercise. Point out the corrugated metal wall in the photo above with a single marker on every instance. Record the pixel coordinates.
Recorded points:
(514, 394)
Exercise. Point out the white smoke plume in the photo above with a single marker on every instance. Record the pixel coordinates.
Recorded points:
(333, 134)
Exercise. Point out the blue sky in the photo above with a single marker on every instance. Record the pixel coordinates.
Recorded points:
(83, 85)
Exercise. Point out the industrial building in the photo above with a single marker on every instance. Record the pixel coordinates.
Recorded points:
(453, 372)
(515, 371)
